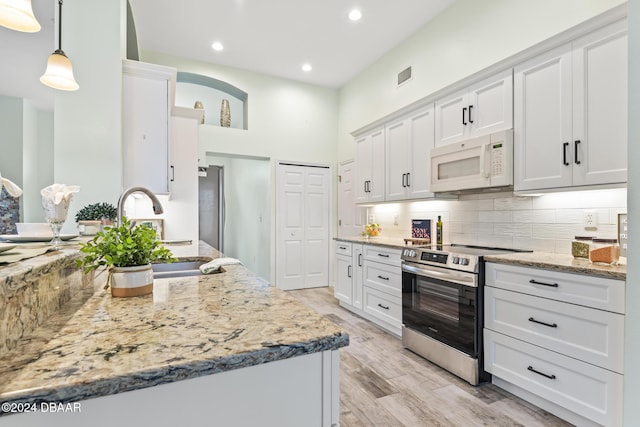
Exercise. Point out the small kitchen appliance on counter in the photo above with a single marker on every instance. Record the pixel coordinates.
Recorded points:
(442, 306)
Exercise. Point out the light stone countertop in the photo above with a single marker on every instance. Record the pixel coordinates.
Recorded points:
(97, 345)
(550, 261)
(560, 262)
(389, 242)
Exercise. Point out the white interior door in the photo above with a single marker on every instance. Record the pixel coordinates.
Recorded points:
(302, 210)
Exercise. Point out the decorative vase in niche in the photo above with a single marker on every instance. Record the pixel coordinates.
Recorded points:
(225, 114)
(198, 106)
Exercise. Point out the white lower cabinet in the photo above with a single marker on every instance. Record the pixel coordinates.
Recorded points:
(369, 283)
(587, 390)
(558, 347)
(383, 306)
(344, 276)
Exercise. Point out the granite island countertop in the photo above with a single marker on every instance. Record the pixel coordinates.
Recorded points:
(97, 345)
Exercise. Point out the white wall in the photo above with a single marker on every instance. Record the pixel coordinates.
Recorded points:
(545, 223)
(11, 116)
(287, 120)
(45, 164)
(247, 220)
(87, 122)
(632, 318)
(31, 202)
(26, 152)
(466, 38)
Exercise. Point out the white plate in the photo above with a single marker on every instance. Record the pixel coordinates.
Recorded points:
(23, 238)
(6, 247)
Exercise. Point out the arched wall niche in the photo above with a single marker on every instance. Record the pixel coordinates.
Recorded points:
(191, 87)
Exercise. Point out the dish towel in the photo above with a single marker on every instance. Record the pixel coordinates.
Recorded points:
(12, 189)
(213, 266)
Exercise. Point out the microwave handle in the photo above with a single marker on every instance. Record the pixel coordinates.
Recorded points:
(483, 150)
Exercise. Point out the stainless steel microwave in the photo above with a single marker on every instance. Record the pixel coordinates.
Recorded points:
(478, 163)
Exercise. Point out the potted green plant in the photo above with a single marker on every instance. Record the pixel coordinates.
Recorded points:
(92, 218)
(128, 253)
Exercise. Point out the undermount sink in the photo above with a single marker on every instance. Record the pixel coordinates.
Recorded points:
(177, 269)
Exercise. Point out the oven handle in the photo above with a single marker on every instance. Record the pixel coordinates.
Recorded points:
(450, 276)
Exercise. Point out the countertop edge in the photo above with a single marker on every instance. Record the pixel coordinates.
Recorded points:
(172, 373)
(561, 263)
(375, 241)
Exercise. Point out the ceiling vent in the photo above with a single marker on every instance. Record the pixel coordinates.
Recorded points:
(404, 76)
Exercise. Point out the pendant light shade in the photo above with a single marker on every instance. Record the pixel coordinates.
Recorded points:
(59, 72)
(18, 15)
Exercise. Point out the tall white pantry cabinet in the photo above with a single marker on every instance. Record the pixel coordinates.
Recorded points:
(570, 113)
(146, 107)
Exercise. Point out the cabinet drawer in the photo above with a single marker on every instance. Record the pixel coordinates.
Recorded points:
(383, 306)
(384, 278)
(592, 392)
(343, 248)
(381, 254)
(597, 292)
(593, 336)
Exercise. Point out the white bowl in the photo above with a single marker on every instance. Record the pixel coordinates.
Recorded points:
(34, 229)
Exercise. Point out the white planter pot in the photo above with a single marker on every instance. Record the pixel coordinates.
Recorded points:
(89, 228)
(131, 281)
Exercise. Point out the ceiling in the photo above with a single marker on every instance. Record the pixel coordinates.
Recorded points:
(276, 37)
(273, 37)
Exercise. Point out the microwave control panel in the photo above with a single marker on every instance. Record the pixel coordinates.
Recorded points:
(497, 159)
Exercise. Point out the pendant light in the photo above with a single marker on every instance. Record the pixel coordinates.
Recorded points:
(59, 73)
(18, 15)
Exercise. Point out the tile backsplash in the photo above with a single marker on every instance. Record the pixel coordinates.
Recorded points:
(543, 223)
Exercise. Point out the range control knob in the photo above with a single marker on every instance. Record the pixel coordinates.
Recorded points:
(455, 260)
(464, 261)
(412, 253)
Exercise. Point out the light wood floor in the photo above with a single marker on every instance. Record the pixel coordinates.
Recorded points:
(383, 384)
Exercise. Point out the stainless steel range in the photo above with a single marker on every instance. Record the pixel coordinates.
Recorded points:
(442, 306)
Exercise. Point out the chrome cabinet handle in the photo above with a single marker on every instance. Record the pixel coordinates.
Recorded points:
(349, 271)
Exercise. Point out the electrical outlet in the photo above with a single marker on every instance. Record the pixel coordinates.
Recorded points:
(395, 219)
(590, 219)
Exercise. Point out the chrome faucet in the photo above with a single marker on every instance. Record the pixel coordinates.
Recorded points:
(157, 206)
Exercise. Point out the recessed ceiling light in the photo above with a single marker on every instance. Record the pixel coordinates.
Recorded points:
(307, 67)
(217, 46)
(355, 15)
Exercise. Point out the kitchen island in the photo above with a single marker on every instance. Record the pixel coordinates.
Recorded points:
(224, 348)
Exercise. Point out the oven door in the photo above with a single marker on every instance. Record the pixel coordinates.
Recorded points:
(442, 304)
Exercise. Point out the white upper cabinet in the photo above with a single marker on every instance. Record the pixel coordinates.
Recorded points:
(145, 125)
(542, 121)
(570, 113)
(370, 167)
(408, 143)
(600, 106)
(479, 109)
